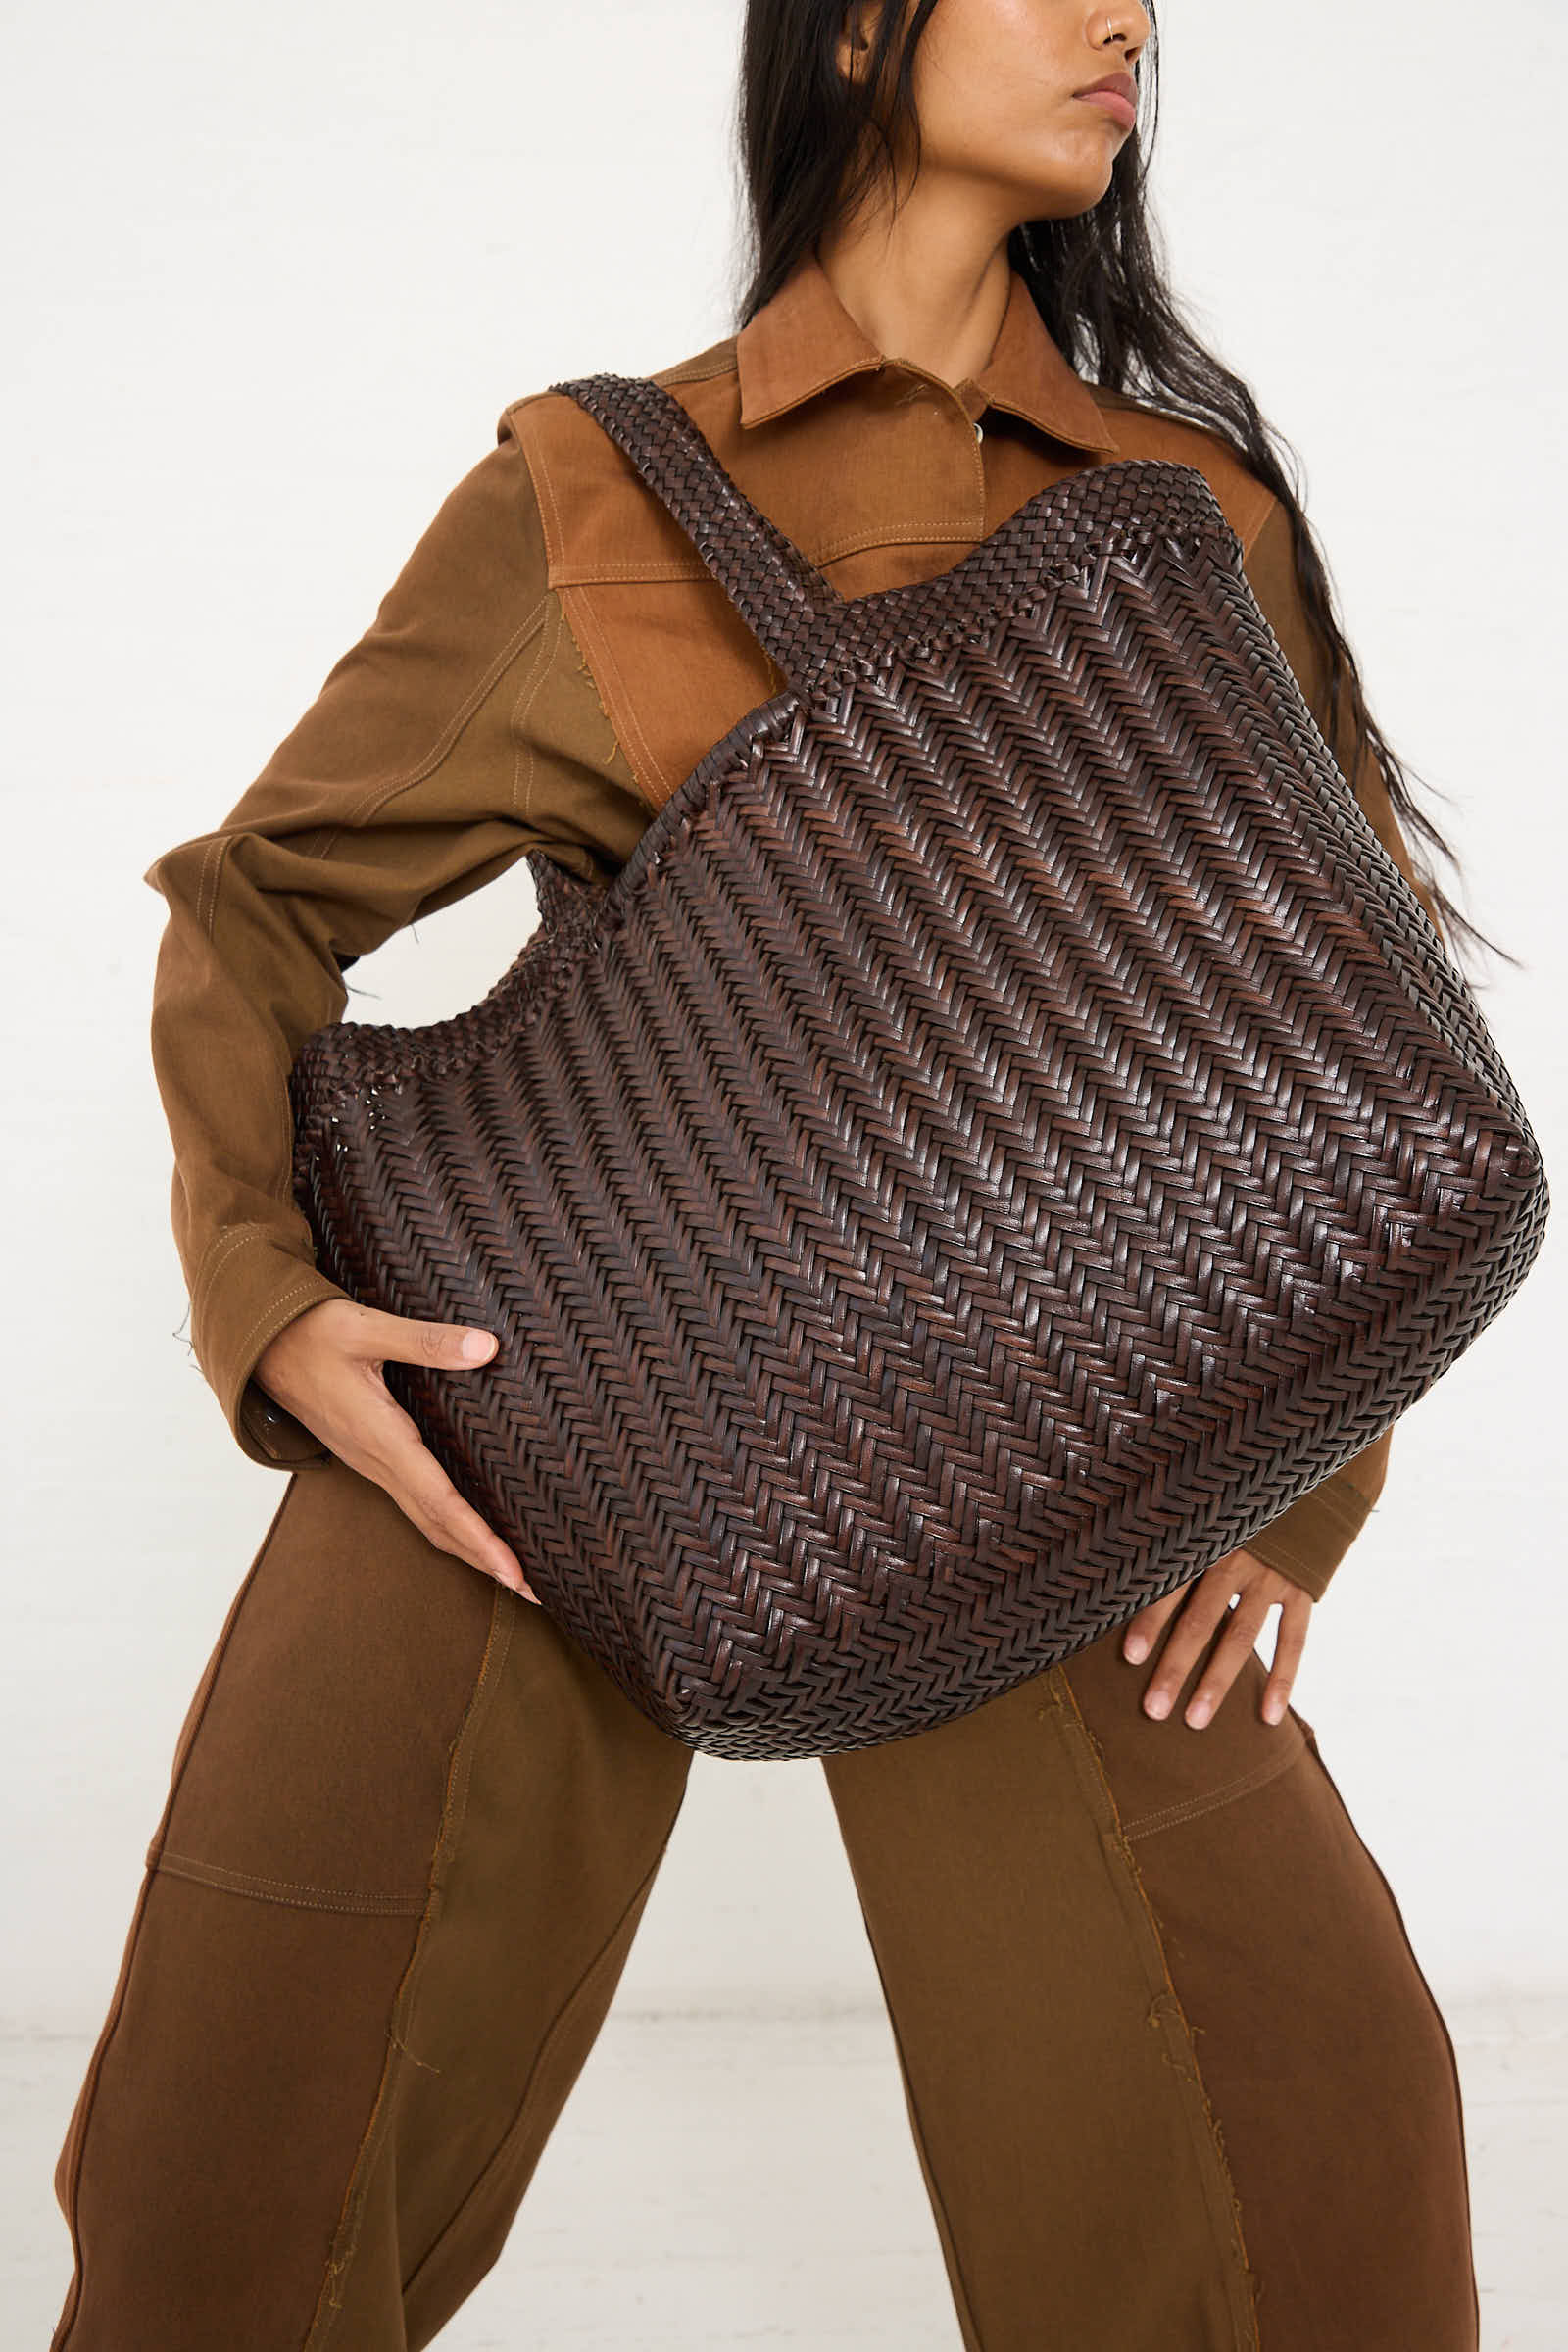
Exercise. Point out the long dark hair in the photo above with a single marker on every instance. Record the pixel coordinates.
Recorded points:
(813, 143)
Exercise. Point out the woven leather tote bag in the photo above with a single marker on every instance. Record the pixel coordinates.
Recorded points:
(1006, 1133)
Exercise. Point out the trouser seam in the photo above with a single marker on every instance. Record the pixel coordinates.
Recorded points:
(1208, 2147)
(591, 1970)
(502, 1616)
(1192, 1808)
(288, 1890)
(69, 2188)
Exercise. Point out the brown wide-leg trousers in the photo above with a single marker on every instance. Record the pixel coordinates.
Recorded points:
(1176, 2081)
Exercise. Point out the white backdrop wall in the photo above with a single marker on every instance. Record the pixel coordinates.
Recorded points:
(268, 284)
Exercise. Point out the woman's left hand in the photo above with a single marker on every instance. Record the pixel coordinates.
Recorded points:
(1208, 1598)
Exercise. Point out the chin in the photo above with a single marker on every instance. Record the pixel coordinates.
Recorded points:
(1060, 203)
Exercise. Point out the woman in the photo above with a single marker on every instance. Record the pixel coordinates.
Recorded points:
(1175, 2077)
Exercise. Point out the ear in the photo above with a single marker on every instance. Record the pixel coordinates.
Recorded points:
(855, 34)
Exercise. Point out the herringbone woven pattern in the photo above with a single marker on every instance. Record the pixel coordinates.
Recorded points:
(1007, 1131)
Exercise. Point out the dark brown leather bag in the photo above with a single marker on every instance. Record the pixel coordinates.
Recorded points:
(1007, 1132)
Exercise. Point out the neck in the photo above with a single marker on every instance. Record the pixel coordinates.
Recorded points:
(930, 288)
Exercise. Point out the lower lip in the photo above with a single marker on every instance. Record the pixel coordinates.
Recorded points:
(1114, 103)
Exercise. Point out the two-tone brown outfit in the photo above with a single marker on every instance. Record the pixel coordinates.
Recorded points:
(1175, 2078)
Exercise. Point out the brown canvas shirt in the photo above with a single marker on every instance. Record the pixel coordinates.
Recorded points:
(549, 665)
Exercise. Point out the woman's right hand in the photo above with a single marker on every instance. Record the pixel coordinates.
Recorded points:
(326, 1368)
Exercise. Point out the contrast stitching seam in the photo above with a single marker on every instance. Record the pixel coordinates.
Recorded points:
(527, 695)
(645, 761)
(285, 1890)
(454, 728)
(589, 673)
(591, 1970)
(345, 2241)
(223, 1247)
(206, 884)
(1193, 1807)
(367, 806)
(656, 568)
(1087, 1762)
(89, 2092)
(545, 492)
(277, 1315)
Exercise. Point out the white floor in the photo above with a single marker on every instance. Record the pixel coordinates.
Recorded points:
(696, 2151)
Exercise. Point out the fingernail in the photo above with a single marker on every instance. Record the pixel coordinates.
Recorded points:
(476, 1343)
(1136, 1649)
(1199, 1712)
(1273, 1710)
(1158, 1702)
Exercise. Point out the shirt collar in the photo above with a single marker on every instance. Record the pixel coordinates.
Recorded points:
(803, 339)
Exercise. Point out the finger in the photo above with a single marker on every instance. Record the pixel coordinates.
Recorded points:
(399, 1460)
(1229, 1651)
(1295, 1615)
(1206, 1604)
(409, 1339)
(453, 1524)
(1144, 1628)
(452, 1521)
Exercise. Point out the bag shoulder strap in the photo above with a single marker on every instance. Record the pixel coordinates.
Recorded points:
(779, 593)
